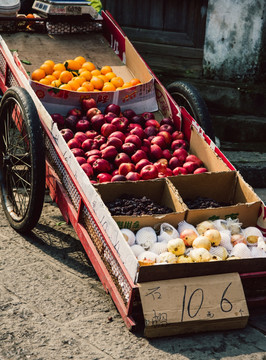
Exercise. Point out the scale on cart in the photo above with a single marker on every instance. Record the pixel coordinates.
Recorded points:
(51, 8)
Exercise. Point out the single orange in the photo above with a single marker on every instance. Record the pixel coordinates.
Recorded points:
(88, 85)
(86, 74)
(47, 68)
(59, 66)
(110, 75)
(56, 73)
(97, 82)
(80, 79)
(106, 69)
(80, 59)
(88, 65)
(38, 74)
(30, 16)
(117, 81)
(108, 87)
(45, 81)
(126, 85)
(65, 87)
(95, 72)
(56, 83)
(50, 62)
(82, 89)
(81, 70)
(65, 76)
(134, 81)
(72, 65)
(105, 79)
(50, 77)
(74, 84)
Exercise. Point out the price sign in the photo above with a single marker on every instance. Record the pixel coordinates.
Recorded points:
(203, 303)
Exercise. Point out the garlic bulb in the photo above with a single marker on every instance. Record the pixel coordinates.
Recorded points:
(129, 236)
(241, 250)
(200, 255)
(146, 237)
(167, 257)
(167, 232)
(159, 247)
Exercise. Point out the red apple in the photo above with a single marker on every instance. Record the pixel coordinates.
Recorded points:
(134, 139)
(118, 177)
(167, 154)
(87, 169)
(125, 168)
(167, 121)
(113, 108)
(133, 176)
(179, 170)
(97, 122)
(93, 152)
(92, 158)
(101, 165)
(149, 172)
(121, 158)
(138, 119)
(194, 158)
(80, 136)
(104, 177)
(140, 164)
(108, 129)
(168, 172)
(91, 134)
(109, 152)
(167, 128)
(138, 155)
(200, 170)
(78, 152)
(133, 126)
(150, 131)
(75, 111)
(161, 167)
(138, 131)
(88, 104)
(119, 135)
(156, 152)
(181, 154)
(109, 117)
(160, 141)
(70, 122)
(129, 148)
(67, 134)
(92, 111)
(179, 143)
(98, 141)
(81, 160)
(82, 125)
(59, 120)
(73, 143)
(166, 135)
(121, 123)
(115, 141)
(87, 144)
(174, 162)
(190, 166)
(178, 135)
(152, 122)
(148, 115)
(129, 113)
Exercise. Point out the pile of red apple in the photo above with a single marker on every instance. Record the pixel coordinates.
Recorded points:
(119, 146)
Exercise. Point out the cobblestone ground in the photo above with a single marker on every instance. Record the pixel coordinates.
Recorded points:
(53, 306)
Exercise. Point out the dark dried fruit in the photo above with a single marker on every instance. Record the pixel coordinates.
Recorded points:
(204, 203)
(130, 205)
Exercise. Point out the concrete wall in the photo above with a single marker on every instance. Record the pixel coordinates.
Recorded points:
(233, 48)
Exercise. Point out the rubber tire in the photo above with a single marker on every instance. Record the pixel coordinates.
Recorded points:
(34, 149)
(187, 95)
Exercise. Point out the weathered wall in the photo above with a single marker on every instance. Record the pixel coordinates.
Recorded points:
(234, 39)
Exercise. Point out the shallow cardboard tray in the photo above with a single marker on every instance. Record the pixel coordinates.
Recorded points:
(159, 190)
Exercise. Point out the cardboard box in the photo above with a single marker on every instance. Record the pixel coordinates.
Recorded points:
(227, 187)
(159, 190)
(139, 98)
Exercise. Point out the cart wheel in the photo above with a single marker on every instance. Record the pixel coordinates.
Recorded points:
(187, 95)
(22, 160)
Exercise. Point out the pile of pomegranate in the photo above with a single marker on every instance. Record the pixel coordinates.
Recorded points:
(119, 146)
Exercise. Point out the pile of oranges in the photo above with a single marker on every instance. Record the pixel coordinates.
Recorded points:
(80, 75)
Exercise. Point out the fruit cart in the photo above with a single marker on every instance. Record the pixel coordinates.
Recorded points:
(34, 155)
